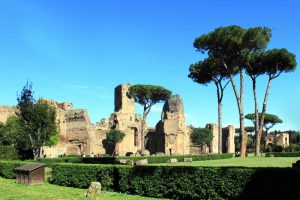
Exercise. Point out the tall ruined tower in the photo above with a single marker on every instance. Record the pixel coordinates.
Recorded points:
(122, 103)
(173, 128)
(125, 119)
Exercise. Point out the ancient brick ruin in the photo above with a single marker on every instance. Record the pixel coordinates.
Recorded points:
(78, 136)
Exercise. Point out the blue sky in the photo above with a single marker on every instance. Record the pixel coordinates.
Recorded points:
(78, 51)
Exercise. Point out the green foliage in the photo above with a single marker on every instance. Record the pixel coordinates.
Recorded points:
(283, 154)
(269, 122)
(8, 153)
(184, 182)
(201, 136)
(37, 119)
(10, 131)
(292, 148)
(114, 136)
(148, 95)
(233, 44)
(114, 160)
(7, 168)
(80, 175)
(180, 158)
(204, 72)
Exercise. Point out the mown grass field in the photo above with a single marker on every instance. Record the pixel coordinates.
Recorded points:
(250, 161)
(10, 190)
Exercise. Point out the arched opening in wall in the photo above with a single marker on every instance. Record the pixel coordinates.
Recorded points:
(136, 137)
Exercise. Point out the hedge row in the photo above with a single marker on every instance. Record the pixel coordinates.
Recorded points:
(283, 154)
(164, 159)
(8, 153)
(184, 182)
(114, 160)
(7, 168)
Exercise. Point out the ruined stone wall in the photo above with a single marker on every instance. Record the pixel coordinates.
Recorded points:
(122, 103)
(214, 147)
(173, 128)
(6, 112)
(125, 119)
(281, 139)
(228, 139)
(76, 132)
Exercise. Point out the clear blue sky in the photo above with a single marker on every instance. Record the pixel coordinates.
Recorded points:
(78, 51)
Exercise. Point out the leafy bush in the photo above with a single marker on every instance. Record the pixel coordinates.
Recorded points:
(8, 153)
(277, 148)
(7, 168)
(80, 175)
(87, 160)
(180, 158)
(283, 154)
(292, 148)
(114, 160)
(184, 182)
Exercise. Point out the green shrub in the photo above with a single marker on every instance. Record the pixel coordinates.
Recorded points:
(114, 160)
(292, 148)
(180, 158)
(277, 148)
(80, 175)
(7, 168)
(50, 161)
(184, 182)
(8, 153)
(283, 154)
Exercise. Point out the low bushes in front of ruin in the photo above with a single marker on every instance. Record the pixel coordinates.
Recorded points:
(7, 168)
(115, 160)
(184, 182)
(283, 154)
(81, 175)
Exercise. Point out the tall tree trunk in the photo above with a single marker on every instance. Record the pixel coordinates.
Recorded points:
(35, 153)
(264, 108)
(239, 100)
(220, 127)
(242, 119)
(143, 133)
(219, 96)
(256, 121)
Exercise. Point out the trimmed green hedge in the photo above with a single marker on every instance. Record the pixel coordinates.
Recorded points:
(80, 175)
(7, 168)
(184, 182)
(8, 153)
(114, 160)
(49, 161)
(283, 154)
(164, 159)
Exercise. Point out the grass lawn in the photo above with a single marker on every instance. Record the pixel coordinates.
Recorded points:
(250, 161)
(10, 190)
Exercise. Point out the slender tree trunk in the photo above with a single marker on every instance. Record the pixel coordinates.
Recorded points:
(242, 119)
(35, 153)
(239, 100)
(143, 133)
(219, 97)
(117, 149)
(256, 121)
(264, 108)
(220, 127)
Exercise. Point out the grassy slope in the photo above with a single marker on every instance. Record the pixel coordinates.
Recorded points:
(250, 161)
(10, 190)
